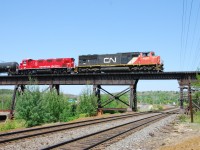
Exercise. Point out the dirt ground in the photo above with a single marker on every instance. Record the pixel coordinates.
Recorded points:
(183, 137)
(176, 136)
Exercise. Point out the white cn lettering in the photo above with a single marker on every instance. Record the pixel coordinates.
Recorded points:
(109, 60)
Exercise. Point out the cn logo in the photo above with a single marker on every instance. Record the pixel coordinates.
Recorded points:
(109, 60)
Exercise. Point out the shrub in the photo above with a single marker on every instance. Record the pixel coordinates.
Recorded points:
(37, 107)
(57, 107)
(197, 117)
(183, 118)
(29, 107)
(87, 103)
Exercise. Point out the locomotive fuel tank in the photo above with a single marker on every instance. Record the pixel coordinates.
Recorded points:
(8, 67)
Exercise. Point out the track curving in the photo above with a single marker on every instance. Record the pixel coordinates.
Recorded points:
(39, 131)
(92, 140)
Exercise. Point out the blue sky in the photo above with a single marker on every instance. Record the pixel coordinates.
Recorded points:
(68, 28)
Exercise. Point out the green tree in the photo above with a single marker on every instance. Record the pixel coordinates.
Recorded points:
(37, 107)
(87, 103)
(29, 106)
(57, 107)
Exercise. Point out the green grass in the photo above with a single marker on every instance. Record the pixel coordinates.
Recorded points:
(186, 118)
(12, 124)
(197, 117)
(183, 118)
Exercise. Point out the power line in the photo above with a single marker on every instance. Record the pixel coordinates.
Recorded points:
(198, 55)
(195, 52)
(188, 29)
(184, 24)
(182, 32)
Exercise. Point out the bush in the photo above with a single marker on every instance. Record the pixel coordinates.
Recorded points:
(197, 117)
(29, 107)
(37, 108)
(183, 118)
(87, 103)
(57, 107)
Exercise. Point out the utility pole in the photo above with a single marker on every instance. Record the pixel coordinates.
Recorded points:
(190, 99)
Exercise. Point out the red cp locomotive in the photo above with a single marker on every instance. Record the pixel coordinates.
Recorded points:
(55, 66)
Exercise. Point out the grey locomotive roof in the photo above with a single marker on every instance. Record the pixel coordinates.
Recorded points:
(95, 55)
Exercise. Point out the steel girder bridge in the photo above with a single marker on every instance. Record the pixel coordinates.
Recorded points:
(99, 79)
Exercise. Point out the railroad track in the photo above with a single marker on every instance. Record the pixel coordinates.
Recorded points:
(92, 140)
(34, 132)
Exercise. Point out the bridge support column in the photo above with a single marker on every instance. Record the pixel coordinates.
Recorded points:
(181, 97)
(133, 96)
(56, 86)
(97, 93)
(16, 88)
(190, 99)
(97, 89)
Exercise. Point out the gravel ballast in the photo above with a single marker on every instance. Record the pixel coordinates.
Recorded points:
(128, 143)
(134, 141)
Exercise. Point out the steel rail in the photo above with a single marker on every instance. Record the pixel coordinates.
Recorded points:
(22, 134)
(97, 138)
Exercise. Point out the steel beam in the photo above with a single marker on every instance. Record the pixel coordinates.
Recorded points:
(13, 101)
(94, 79)
(98, 94)
(190, 99)
(181, 97)
(133, 96)
(56, 86)
(114, 97)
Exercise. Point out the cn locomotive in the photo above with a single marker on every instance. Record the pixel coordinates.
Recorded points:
(119, 62)
(131, 62)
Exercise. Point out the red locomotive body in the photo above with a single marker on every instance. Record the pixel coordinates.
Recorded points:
(147, 59)
(58, 65)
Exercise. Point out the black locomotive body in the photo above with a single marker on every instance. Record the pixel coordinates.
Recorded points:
(131, 61)
(9, 67)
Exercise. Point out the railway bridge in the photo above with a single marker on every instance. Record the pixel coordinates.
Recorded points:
(99, 79)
